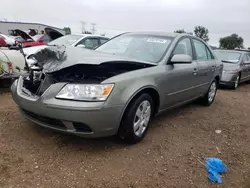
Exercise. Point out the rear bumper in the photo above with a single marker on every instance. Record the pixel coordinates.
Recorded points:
(88, 119)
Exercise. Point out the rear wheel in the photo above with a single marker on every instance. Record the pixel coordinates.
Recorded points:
(208, 99)
(136, 119)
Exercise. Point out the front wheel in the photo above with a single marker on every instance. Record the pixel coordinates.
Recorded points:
(209, 97)
(236, 84)
(136, 119)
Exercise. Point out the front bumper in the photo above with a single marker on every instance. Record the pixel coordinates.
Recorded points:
(88, 119)
(228, 79)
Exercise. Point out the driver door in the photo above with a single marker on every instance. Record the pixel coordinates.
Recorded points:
(182, 79)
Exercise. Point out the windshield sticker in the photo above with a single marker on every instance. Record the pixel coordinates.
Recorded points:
(162, 41)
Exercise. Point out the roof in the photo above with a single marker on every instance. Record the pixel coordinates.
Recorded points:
(88, 35)
(159, 33)
(31, 23)
(235, 50)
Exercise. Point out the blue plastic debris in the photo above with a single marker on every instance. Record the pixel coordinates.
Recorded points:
(214, 167)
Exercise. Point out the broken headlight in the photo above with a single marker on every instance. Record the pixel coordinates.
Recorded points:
(85, 92)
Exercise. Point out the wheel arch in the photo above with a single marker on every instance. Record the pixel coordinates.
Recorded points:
(152, 91)
(217, 78)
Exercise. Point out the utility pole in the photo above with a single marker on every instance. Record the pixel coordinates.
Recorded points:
(93, 28)
(83, 26)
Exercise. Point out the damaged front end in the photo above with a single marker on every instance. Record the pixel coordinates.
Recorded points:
(59, 65)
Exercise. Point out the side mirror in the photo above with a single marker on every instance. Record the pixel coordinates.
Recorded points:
(40, 41)
(181, 59)
(81, 46)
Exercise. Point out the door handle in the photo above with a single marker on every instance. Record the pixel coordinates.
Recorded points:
(195, 71)
(213, 68)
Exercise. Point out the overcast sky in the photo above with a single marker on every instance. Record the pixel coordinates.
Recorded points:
(221, 17)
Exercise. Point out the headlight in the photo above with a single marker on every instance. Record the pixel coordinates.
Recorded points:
(88, 92)
(231, 71)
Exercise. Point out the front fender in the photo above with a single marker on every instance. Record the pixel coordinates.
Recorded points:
(124, 91)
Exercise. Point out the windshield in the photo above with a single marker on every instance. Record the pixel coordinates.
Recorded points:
(66, 40)
(230, 57)
(136, 46)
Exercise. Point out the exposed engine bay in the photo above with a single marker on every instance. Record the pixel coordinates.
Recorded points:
(44, 72)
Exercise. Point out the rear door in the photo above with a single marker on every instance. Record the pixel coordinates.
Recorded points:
(182, 79)
(206, 64)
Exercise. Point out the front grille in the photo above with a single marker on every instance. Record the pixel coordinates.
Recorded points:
(80, 127)
(46, 120)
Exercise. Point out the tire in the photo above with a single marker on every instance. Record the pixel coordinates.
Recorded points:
(209, 97)
(127, 130)
(235, 86)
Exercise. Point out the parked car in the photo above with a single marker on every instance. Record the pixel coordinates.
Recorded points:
(10, 40)
(75, 40)
(38, 40)
(2, 42)
(236, 67)
(117, 88)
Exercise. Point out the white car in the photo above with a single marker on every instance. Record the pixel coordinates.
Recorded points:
(76, 40)
(10, 40)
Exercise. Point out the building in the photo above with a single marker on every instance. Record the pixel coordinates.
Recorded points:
(7, 27)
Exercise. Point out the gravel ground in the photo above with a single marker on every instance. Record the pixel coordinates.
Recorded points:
(170, 156)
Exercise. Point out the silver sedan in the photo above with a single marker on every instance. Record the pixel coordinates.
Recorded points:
(117, 88)
(236, 67)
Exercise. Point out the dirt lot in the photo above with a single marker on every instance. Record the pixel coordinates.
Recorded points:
(31, 156)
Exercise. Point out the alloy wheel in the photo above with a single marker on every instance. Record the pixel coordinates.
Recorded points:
(142, 117)
(212, 92)
(236, 84)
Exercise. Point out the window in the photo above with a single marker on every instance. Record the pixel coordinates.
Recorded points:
(102, 40)
(209, 54)
(201, 50)
(138, 46)
(90, 43)
(184, 47)
(248, 57)
(245, 58)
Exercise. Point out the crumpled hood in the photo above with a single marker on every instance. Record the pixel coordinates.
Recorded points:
(54, 58)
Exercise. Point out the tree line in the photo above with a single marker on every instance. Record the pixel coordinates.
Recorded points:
(230, 42)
